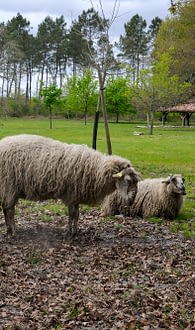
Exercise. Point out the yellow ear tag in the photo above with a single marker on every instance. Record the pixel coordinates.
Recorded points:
(117, 175)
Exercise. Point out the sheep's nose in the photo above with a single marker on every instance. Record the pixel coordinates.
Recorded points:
(183, 190)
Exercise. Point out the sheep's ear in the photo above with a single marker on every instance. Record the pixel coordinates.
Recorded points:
(118, 175)
(167, 180)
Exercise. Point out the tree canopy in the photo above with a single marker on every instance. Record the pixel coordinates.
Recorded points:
(176, 36)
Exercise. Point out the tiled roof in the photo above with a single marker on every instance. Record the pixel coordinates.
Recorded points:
(185, 107)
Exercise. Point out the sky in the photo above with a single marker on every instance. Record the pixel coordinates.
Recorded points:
(35, 11)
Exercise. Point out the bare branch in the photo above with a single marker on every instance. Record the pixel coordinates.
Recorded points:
(115, 12)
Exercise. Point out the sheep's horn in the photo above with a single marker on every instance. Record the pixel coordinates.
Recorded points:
(118, 175)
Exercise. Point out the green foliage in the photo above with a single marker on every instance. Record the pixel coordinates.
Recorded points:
(169, 88)
(51, 95)
(134, 44)
(118, 96)
(81, 94)
(155, 220)
(176, 37)
(46, 218)
(15, 107)
(154, 28)
(156, 87)
(175, 6)
(73, 312)
(187, 228)
(51, 47)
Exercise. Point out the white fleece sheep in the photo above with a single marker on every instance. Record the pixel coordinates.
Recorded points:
(160, 197)
(39, 168)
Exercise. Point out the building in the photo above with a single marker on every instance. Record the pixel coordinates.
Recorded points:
(185, 111)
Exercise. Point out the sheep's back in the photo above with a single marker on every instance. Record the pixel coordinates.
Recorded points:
(41, 168)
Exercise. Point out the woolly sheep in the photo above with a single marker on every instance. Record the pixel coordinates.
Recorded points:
(160, 197)
(38, 168)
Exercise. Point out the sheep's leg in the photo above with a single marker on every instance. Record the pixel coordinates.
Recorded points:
(73, 212)
(9, 220)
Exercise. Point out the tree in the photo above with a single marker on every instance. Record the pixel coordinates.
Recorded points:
(118, 96)
(134, 44)
(84, 33)
(80, 92)
(18, 52)
(153, 30)
(75, 47)
(176, 36)
(96, 52)
(175, 6)
(157, 88)
(51, 96)
(51, 54)
(102, 59)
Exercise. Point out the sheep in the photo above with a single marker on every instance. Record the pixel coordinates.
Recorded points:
(159, 197)
(37, 168)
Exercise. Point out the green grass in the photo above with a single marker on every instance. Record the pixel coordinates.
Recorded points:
(168, 150)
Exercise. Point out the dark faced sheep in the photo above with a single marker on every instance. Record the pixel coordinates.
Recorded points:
(160, 197)
(38, 168)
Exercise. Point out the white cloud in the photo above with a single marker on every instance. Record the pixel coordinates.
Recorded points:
(36, 10)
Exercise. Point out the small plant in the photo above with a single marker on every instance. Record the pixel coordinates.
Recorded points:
(118, 226)
(57, 208)
(34, 258)
(155, 220)
(46, 218)
(73, 312)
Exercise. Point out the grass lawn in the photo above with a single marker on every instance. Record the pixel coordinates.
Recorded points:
(168, 150)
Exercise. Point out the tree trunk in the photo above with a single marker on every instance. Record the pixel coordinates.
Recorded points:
(183, 120)
(2, 88)
(109, 146)
(30, 85)
(164, 117)
(27, 85)
(101, 84)
(50, 117)
(95, 124)
(117, 117)
(151, 123)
